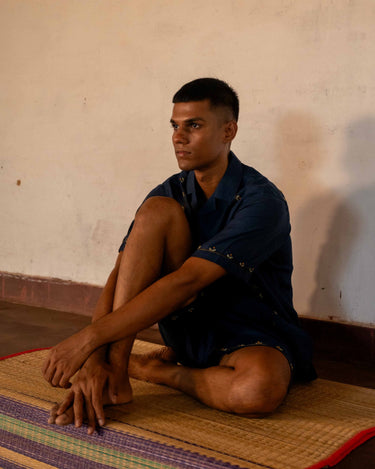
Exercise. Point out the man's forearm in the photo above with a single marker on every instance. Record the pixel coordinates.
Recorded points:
(154, 303)
(151, 305)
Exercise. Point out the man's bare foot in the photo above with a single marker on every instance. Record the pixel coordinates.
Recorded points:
(150, 366)
(64, 419)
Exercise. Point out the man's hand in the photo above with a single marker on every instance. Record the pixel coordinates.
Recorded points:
(96, 384)
(86, 394)
(65, 359)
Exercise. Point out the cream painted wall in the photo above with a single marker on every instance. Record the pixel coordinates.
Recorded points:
(85, 92)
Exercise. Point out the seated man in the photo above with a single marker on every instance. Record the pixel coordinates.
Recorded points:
(208, 257)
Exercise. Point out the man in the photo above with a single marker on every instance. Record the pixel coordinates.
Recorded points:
(208, 257)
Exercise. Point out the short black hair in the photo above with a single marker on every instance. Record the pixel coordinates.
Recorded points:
(219, 93)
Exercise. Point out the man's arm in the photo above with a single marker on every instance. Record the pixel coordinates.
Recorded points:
(151, 305)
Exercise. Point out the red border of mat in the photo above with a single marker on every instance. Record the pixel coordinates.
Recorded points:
(22, 353)
(354, 442)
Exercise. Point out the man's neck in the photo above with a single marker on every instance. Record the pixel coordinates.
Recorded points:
(209, 179)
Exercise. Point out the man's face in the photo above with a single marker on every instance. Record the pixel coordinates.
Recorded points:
(200, 137)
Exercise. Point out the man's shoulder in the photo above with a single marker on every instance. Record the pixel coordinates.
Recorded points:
(254, 183)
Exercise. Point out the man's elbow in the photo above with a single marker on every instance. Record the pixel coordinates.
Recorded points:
(196, 274)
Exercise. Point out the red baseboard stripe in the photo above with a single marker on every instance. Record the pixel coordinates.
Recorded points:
(334, 340)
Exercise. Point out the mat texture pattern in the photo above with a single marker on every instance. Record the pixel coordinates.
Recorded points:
(317, 425)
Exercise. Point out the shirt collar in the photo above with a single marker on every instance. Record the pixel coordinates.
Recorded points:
(228, 186)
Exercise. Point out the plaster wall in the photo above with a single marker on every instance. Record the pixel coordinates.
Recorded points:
(85, 102)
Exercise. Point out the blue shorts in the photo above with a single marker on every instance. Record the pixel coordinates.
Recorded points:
(201, 335)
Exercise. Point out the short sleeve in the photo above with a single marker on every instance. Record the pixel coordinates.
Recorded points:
(251, 237)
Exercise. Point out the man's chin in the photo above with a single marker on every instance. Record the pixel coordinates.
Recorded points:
(185, 165)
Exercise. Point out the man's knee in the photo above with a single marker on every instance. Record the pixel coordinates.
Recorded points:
(160, 210)
(256, 395)
(164, 220)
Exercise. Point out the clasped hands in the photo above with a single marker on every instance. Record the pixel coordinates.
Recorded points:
(94, 379)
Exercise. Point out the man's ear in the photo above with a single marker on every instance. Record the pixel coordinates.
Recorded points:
(230, 131)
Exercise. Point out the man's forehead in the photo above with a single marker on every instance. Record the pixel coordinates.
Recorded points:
(192, 110)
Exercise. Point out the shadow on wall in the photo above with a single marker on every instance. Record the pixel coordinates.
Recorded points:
(345, 271)
(333, 235)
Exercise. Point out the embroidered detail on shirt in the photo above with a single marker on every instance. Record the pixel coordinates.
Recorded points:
(279, 348)
(226, 256)
(251, 269)
(238, 197)
(182, 179)
(233, 349)
(258, 342)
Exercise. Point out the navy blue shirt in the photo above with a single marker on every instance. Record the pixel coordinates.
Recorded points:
(244, 227)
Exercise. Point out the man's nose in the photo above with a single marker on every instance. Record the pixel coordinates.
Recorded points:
(180, 136)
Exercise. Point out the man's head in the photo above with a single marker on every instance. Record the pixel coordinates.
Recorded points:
(204, 122)
(217, 92)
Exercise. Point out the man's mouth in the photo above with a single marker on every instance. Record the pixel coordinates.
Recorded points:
(182, 153)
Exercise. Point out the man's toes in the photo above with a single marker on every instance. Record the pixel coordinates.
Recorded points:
(53, 414)
(66, 418)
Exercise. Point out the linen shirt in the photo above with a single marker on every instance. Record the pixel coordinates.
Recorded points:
(244, 227)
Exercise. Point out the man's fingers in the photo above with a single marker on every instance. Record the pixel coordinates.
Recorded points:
(64, 380)
(48, 372)
(57, 377)
(45, 366)
(67, 402)
(78, 409)
(90, 416)
(97, 404)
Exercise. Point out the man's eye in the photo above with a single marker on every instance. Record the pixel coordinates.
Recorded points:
(195, 125)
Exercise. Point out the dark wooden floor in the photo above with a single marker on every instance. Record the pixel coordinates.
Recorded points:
(28, 327)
